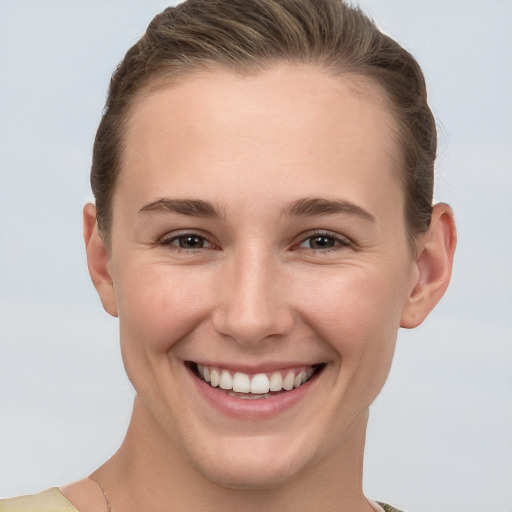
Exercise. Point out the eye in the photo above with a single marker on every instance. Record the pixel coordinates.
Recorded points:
(187, 241)
(324, 242)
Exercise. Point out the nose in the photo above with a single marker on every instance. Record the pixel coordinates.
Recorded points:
(253, 303)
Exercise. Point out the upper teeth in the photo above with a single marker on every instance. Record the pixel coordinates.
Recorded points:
(259, 383)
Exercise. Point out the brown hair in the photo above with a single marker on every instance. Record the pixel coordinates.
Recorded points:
(247, 36)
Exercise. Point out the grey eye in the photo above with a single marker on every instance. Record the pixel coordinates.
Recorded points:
(322, 242)
(190, 241)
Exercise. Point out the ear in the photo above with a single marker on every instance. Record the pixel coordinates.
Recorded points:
(98, 260)
(433, 267)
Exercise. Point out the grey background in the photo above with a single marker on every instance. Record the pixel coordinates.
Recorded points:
(440, 435)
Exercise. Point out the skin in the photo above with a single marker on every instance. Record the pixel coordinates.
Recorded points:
(255, 290)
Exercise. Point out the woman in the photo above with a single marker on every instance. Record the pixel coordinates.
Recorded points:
(263, 226)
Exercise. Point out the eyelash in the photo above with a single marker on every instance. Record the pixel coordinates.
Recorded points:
(339, 242)
(168, 241)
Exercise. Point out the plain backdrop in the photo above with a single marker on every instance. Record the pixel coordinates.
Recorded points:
(440, 434)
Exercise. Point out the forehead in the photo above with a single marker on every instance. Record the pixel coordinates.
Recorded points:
(296, 125)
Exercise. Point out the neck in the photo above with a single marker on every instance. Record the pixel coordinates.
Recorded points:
(150, 472)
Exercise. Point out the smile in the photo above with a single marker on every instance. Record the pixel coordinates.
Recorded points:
(256, 386)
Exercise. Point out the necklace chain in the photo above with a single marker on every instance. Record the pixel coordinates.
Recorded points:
(109, 507)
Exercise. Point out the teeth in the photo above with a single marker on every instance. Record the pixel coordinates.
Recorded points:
(276, 382)
(226, 381)
(250, 396)
(241, 383)
(260, 384)
(288, 381)
(214, 378)
(257, 386)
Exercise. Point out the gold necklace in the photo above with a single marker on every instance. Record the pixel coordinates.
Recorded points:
(109, 507)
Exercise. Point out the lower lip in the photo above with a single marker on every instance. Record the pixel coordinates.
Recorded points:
(254, 409)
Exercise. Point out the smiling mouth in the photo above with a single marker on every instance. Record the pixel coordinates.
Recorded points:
(256, 386)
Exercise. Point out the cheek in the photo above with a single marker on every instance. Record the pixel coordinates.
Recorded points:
(159, 306)
(357, 315)
(356, 309)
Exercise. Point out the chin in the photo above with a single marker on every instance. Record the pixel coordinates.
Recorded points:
(243, 476)
(254, 466)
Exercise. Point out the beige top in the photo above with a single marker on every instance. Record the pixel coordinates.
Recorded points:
(51, 500)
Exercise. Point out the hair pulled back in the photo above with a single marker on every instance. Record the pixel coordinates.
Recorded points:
(247, 36)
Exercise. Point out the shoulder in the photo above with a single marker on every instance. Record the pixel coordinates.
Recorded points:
(50, 500)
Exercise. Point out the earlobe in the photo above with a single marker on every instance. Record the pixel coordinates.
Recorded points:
(98, 260)
(433, 267)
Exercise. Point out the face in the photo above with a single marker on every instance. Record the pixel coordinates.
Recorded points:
(258, 243)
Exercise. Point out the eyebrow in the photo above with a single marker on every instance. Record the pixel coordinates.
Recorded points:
(313, 206)
(304, 207)
(193, 207)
